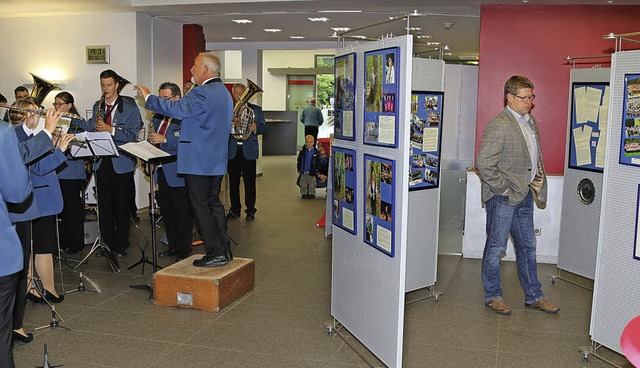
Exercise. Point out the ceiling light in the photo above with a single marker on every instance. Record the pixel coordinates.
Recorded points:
(297, 37)
(433, 43)
(319, 19)
(272, 30)
(446, 47)
(416, 14)
(238, 38)
(609, 1)
(525, 1)
(242, 21)
(339, 11)
(447, 25)
(414, 28)
(341, 29)
(423, 36)
(359, 36)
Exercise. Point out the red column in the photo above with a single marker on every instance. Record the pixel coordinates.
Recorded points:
(193, 43)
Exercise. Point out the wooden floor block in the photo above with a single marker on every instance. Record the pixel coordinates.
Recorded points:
(206, 288)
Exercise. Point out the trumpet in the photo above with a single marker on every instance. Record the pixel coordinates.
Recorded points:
(39, 111)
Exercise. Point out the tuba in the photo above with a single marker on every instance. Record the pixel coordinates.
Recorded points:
(244, 114)
(41, 88)
(121, 83)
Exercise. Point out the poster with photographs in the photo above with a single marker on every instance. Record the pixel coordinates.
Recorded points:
(630, 141)
(425, 133)
(589, 118)
(636, 245)
(344, 189)
(345, 84)
(381, 97)
(379, 203)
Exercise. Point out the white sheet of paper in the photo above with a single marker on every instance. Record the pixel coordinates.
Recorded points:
(144, 150)
(347, 123)
(581, 139)
(593, 96)
(63, 125)
(430, 139)
(347, 218)
(387, 129)
(101, 143)
(579, 96)
(384, 238)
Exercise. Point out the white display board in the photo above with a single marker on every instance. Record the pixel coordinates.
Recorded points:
(616, 294)
(368, 286)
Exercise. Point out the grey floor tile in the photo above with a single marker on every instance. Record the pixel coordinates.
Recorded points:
(424, 355)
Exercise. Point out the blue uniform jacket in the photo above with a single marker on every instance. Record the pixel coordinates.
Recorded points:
(172, 135)
(250, 149)
(73, 168)
(15, 188)
(127, 124)
(47, 197)
(206, 113)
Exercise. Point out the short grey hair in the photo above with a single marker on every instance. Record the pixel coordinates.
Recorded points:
(212, 62)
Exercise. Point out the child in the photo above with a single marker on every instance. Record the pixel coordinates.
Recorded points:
(307, 166)
(322, 167)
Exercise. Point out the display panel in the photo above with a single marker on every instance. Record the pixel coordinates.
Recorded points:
(381, 97)
(379, 203)
(345, 82)
(425, 134)
(630, 141)
(344, 206)
(587, 132)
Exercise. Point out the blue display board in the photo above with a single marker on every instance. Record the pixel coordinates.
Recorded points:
(425, 135)
(345, 92)
(344, 204)
(381, 97)
(379, 203)
(630, 141)
(589, 114)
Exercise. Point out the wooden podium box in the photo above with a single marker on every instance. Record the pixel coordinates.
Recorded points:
(206, 288)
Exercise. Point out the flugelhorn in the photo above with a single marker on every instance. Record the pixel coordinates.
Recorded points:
(39, 111)
(244, 114)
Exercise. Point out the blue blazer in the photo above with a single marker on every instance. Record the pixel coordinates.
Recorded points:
(127, 124)
(170, 167)
(73, 168)
(35, 147)
(206, 113)
(15, 188)
(250, 149)
(47, 196)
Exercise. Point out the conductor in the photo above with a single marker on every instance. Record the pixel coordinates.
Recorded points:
(206, 113)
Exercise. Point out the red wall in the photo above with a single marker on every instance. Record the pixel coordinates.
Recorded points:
(532, 40)
(193, 43)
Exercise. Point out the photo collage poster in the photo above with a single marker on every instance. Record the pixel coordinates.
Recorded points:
(630, 150)
(588, 130)
(425, 133)
(344, 189)
(381, 97)
(379, 203)
(345, 85)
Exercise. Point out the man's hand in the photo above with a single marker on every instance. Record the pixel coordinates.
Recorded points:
(322, 177)
(253, 127)
(155, 138)
(101, 126)
(63, 141)
(51, 120)
(142, 91)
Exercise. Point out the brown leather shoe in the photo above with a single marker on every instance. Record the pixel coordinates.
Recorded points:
(498, 306)
(543, 305)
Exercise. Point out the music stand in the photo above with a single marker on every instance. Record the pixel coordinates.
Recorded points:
(150, 155)
(96, 145)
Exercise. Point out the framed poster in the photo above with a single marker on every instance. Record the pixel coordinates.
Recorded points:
(630, 137)
(344, 189)
(345, 84)
(382, 86)
(636, 246)
(379, 203)
(587, 131)
(425, 134)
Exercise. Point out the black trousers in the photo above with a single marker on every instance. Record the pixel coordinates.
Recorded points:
(238, 167)
(114, 202)
(23, 229)
(71, 218)
(204, 195)
(311, 130)
(176, 214)
(7, 298)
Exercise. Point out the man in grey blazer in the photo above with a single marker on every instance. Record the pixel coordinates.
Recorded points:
(206, 113)
(512, 174)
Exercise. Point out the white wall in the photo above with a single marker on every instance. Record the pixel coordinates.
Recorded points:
(460, 101)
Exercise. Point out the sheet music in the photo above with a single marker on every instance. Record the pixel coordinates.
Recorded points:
(144, 150)
(63, 124)
(96, 144)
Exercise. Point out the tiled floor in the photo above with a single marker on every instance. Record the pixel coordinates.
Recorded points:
(280, 323)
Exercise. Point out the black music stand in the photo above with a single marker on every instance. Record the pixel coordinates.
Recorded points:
(151, 156)
(95, 145)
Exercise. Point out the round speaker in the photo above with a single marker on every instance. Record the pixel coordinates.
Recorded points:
(586, 191)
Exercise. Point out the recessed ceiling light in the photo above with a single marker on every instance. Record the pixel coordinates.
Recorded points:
(272, 30)
(339, 11)
(423, 36)
(414, 28)
(609, 1)
(297, 37)
(319, 19)
(242, 21)
(238, 38)
(433, 43)
(359, 36)
(341, 29)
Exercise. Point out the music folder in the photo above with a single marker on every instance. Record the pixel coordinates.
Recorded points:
(145, 151)
(94, 144)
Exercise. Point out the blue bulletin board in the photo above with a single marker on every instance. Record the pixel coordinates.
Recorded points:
(379, 203)
(589, 113)
(345, 92)
(344, 204)
(382, 86)
(425, 134)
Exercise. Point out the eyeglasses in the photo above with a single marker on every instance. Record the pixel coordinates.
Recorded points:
(56, 104)
(524, 98)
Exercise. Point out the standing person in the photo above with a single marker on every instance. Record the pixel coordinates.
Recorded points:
(15, 190)
(173, 198)
(307, 168)
(512, 173)
(72, 176)
(120, 116)
(206, 113)
(312, 118)
(242, 161)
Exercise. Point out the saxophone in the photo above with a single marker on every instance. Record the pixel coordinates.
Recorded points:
(98, 115)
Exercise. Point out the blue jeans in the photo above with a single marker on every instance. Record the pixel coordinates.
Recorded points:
(502, 220)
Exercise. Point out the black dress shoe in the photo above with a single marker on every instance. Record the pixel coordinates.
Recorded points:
(22, 338)
(34, 298)
(207, 261)
(52, 298)
(167, 253)
(251, 216)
